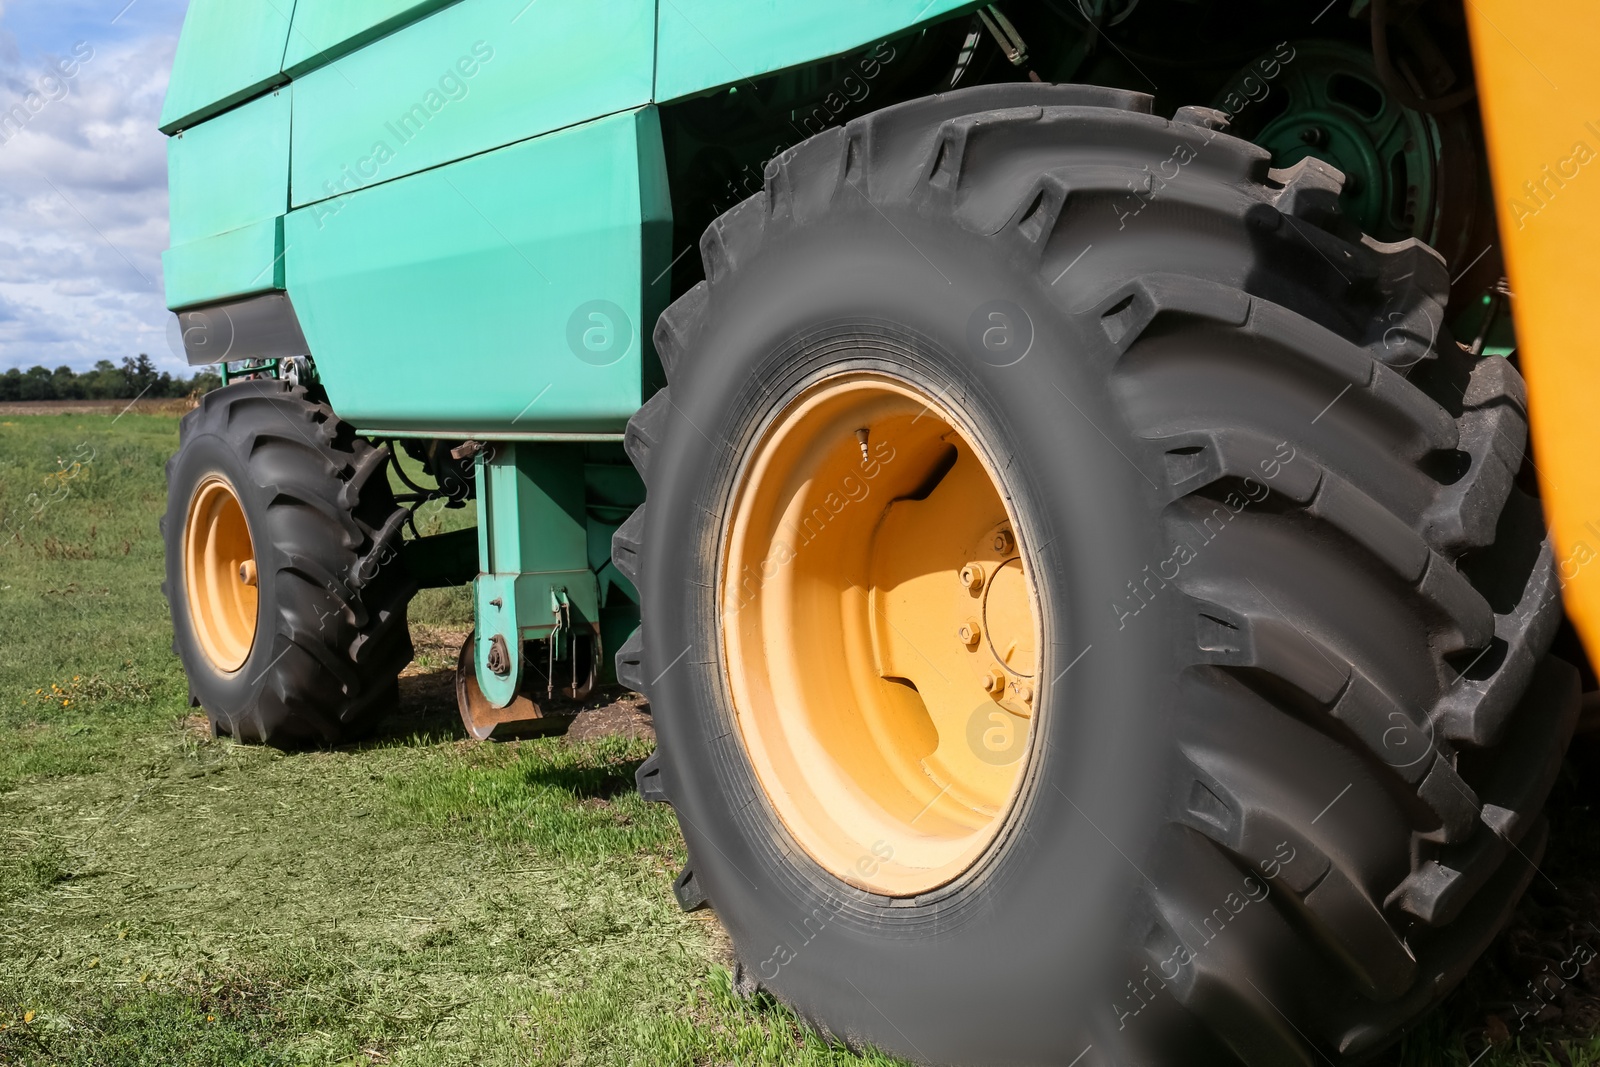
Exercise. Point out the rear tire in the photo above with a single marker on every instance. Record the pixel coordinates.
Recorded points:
(1299, 724)
(329, 635)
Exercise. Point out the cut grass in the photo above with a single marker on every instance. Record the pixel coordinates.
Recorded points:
(171, 900)
(526, 796)
(86, 667)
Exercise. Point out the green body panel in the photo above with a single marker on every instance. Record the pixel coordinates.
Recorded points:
(326, 29)
(702, 44)
(229, 181)
(464, 206)
(504, 293)
(231, 171)
(230, 51)
(237, 263)
(467, 79)
(468, 203)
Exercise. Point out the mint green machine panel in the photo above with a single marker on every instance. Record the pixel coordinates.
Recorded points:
(506, 293)
(707, 43)
(230, 51)
(231, 170)
(326, 29)
(229, 179)
(469, 78)
(233, 264)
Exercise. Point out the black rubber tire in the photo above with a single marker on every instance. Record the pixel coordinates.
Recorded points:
(1272, 511)
(331, 634)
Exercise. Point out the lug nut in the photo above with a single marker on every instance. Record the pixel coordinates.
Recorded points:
(1004, 542)
(247, 572)
(996, 682)
(972, 577)
(1025, 691)
(969, 633)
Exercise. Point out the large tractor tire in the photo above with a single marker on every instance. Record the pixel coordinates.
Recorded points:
(1087, 609)
(287, 591)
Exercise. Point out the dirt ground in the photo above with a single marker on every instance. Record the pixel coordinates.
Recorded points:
(428, 698)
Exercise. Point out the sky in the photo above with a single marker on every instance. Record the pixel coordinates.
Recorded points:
(83, 185)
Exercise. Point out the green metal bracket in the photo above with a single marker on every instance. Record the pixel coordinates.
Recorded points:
(534, 575)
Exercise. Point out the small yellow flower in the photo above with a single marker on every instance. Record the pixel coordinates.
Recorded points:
(27, 1016)
(38, 690)
(75, 677)
(64, 703)
(211, 1018)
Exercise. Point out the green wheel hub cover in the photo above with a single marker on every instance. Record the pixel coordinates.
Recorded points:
(1326, 101)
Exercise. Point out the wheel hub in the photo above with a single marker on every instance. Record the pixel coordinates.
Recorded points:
(1328, 102)
(220, 574)
(880, 634)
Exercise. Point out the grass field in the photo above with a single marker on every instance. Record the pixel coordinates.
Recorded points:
(167, 899)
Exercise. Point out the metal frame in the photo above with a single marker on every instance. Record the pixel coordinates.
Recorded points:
(536, 581)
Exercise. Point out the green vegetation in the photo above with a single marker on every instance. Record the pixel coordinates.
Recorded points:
(135, 378)
(167, 899)
(174, 901)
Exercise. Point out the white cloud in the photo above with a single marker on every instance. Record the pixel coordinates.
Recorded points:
(83, 210)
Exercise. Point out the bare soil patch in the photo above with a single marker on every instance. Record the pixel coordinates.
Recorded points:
(626, 715)
(428, 697)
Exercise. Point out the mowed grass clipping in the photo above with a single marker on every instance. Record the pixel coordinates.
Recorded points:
(577, 802)
(169, 900)
(85, 660)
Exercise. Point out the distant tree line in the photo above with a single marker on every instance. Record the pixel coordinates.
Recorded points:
(107, 381)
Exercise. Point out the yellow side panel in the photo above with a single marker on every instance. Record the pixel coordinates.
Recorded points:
(1539, 83)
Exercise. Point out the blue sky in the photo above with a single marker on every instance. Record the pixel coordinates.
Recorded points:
(83, 184)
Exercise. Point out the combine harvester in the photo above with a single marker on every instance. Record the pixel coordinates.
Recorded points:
(1072, 520)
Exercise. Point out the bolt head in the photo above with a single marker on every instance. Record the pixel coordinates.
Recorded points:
(972, 577)
(1004, 542)
(996, 682)
(969, 633)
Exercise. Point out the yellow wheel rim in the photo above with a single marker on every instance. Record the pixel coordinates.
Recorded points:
(880, 633)
(219, 571)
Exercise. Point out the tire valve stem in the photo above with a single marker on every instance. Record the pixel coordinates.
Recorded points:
(861, 438)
